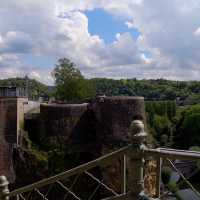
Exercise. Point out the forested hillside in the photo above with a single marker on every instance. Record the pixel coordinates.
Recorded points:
(159, 89)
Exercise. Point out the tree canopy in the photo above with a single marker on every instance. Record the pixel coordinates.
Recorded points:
(188, 127)
(71, 86)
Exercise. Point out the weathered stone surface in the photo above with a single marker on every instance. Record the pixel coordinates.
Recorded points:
(11, 120)
(114, 115)
(92, 129)
(8, 119)
(29, 168)
(61, 119)
(150, 178)
(8, 135)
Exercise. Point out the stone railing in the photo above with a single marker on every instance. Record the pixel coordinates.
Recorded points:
(133, 164)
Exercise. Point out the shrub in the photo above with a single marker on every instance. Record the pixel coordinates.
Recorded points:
(166, 174)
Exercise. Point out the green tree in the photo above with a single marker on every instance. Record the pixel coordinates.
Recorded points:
(161, 126)
(188, 127)
(71, 86)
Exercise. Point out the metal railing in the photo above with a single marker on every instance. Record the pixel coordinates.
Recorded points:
(59, 179)
(132, 161)
(169, 156)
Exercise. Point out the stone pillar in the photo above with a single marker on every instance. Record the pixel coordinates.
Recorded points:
(4, 191)
(136, 164)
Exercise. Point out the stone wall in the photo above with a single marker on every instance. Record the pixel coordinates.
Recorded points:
(91, 129)
(11, 120)
(94, 129)
(102, 122)
(60, 120)
(114, 115)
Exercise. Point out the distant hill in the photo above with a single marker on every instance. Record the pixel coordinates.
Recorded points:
(159, 89)
(36, 89)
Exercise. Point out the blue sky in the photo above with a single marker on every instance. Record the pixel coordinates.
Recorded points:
(107, 26)
(116, 39)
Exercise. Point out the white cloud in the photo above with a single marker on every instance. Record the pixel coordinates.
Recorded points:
(16, 42)
(129, 24)
(197, 32)
(55, 29)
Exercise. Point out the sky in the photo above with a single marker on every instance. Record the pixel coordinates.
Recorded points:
(143, 39)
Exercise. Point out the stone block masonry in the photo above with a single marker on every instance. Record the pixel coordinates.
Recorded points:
(11, 120)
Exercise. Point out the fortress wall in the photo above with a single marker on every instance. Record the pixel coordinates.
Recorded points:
(111, 118)
(114, 116)
(96, 128)
(11, 119)
(8, 135)
(21, 103)
(91, 129)
(61, 119)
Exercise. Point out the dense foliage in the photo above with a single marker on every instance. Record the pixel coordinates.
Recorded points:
(188, 127)
(173, 126)
(160, 89)
(160, 116)
(185, 92)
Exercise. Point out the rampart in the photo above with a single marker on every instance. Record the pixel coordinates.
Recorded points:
(11, 121)
(92, 129)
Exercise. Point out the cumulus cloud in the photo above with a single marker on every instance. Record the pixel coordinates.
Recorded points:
(129, 24)
(16, 42)
(197, 32)
(168, 46)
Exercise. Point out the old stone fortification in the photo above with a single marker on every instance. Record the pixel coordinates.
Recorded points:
(109, 118)
(104, 122)
(11, 121)
(91, 129)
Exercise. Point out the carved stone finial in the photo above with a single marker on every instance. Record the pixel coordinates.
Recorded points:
(4, 188)
(137, 132)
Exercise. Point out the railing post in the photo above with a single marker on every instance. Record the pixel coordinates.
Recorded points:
(158, 176)
(123, 182)
(4, 191)
(136, 165)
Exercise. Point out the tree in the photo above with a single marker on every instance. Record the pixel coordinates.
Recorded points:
(188, 127)
(161, 126)
(71, 86)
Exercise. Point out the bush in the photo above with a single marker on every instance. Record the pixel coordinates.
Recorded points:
(166, 174)
(173, 187)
